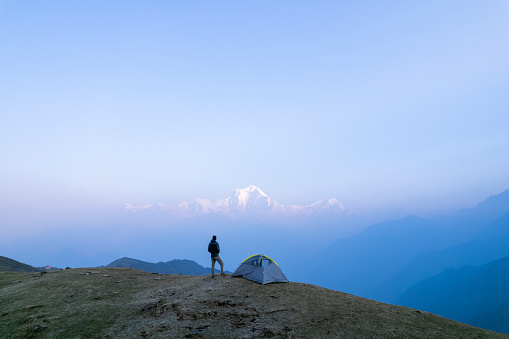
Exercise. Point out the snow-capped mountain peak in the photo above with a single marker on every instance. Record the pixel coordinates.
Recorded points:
(247, 201)
(250, 197)
(249, 190)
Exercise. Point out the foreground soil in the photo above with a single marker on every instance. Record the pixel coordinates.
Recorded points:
(129, 303)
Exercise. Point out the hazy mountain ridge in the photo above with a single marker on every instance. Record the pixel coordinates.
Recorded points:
(464, 294)
(369, 259)
(248, 201)
(490, 244)
(175, 266)
(386, 259)
(496, 320)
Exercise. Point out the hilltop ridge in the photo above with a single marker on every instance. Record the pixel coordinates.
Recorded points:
(129, 303)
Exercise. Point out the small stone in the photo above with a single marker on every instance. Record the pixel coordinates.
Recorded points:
(38, 328)
(198, 331)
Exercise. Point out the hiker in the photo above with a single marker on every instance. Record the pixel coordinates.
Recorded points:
(214, 255)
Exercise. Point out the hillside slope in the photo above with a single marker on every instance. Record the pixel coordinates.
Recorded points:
(129, 303)
(15, 266)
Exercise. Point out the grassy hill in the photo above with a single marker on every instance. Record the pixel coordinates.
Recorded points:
(15, 266)
(129, 303)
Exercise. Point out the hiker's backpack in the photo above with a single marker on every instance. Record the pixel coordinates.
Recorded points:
(212, 248)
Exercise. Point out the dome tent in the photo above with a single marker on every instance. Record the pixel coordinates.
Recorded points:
(261, 269)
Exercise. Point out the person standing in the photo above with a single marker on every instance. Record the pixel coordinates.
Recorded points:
(214, 255)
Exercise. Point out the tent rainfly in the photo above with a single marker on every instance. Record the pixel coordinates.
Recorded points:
(261, 269)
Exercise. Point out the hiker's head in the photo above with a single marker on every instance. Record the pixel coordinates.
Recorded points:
(213, 237)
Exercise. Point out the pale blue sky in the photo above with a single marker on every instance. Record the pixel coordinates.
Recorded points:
(382, 105)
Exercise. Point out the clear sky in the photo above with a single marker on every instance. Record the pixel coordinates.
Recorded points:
(380, 104)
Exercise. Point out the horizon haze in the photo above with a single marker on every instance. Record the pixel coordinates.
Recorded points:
(392, 108)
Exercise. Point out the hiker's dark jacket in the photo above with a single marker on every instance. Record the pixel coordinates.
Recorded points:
(214, 248)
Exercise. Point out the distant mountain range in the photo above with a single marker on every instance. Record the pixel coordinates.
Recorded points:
(496, 320)
(367, 260)
(175, 266)
(248, 201)
(489, 244)
(467, 294)
(390, 262)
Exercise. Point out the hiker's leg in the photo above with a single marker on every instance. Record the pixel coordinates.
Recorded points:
(220, 263)
(213, 264)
